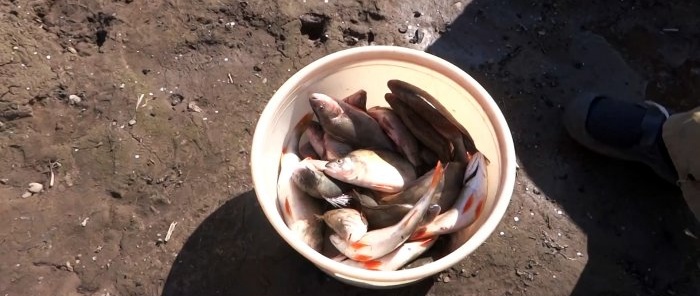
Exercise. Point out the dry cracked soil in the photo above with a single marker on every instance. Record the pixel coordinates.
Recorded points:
(73, 71)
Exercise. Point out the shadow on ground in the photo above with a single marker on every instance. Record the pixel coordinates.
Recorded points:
(235, 251)
(533, 58)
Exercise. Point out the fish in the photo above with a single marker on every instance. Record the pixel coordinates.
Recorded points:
(452, 184)
(315, 135)
(420, 128)
(328, 249)
(347, 123)
(298, 209)
(358, 100)
(397, 258)
(309, 177)
(380, 170)
(335, 149)
(380, 216)
(380, 242)
(348, 223)
(398, 133)
(306, 150)
(402, 87)
(431, 115)
(469, 204)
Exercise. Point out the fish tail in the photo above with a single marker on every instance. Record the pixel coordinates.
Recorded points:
(338, 201)
(437, 176)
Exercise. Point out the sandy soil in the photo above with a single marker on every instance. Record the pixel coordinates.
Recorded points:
(71, 73)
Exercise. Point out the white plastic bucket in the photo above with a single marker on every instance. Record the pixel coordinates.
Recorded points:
(369, 68)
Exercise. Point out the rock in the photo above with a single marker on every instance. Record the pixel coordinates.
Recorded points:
(192, 106)
(132, 122)
(403, 29)
(4, 181)
(35, 187)
(26, 194)
(417, 37)
(74, 99)
(176, 99)
(446, 278)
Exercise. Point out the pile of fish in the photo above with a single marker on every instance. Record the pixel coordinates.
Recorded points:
(387, 182)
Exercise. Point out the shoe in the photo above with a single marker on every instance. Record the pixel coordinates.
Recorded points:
(620, 129)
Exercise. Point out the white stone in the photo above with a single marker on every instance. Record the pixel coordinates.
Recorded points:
(35, 187)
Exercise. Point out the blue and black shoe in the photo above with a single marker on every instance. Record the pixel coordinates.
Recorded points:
(621, 129)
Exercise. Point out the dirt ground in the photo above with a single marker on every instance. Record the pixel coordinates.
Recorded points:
(72, 72)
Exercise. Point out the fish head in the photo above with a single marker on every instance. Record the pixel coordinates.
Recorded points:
(341, 167)
(305, 175)
(324, 106)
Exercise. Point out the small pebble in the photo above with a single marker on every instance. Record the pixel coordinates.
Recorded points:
(446, 279)
(192, 106)
(26, 194)
(516, 219)
(132, 122)
(4, 181)
(559, 212)
(579, 254)
(73, 99)
(35, 187)
(403, 29)
(501, 233)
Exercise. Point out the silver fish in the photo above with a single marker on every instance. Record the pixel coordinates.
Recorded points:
(397, 258)
(378, 243)
(315, 135)
(357, 100)
(468, 206)
(334, 148)
(452, 184)
(399, 86)
(347, 123)
(309, 177)
(420, 128)
(380, 216)
(398, 133)
(380, 170)
(348, 224)
(298, 210)
(306, 150)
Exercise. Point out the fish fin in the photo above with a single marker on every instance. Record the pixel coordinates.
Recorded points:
(479, 208)
(362, 258)
(419, 233)
(372, 264)
(287, 207)
(382, 187)
(338, 201)
(469, 203)
(437, 175)
(357, 245)
(427, 241)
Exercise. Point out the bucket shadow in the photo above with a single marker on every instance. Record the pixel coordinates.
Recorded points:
(235, 251)
(535, 57)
